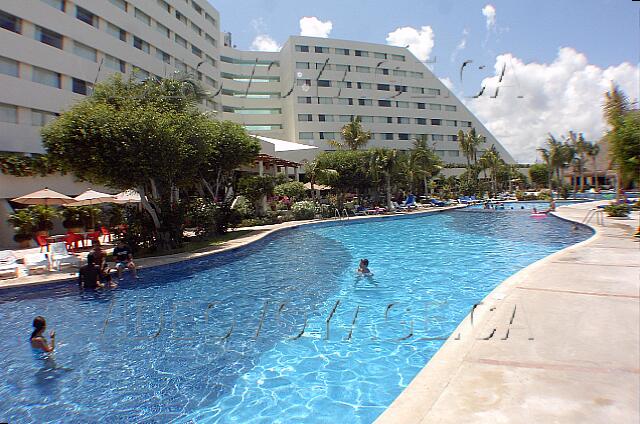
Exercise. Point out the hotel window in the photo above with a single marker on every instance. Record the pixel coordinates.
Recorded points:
(211, 61)
(306, 100)
(319, 49)
(196, 7)
(163, 4)
(365, 85)
(363, 69)
(435, 106)
(403, 136)
(344, 52)
(465, 124)
(49, 37)
(181, 41)
(380, 55)
(384, 119)
(420, 105)
(454, 153)
(343, 84)
(437, 137)
(210, 19)
(302, 65)
(140, 74)
(196, 29)
(116, 32)
(10, 22)
(87, 17)
(343, 68)
(163, 56)
(345, 118)
(305, 117)
(115, 63)
(452, 138)
(85, 51)
(210, 81)
(433, 91)
(120, 4)
(399, 73)
(450, 123)
(366, 119)
(303, 49)
(301, 82)
(196, 51)
(382, 71)
(416, 74)
(325, 100)
(163, 30)
(324, 83)
(140, 44)
(80, 87)
(258, 111)
(211, 40)
(402, 104)
(305, 135)
(449, 108)
(181, 17)
(383, 87)
(9, 67)
(362, 53)
(58, 4)
(397, 57)
(327, 136)
(403, 120)
(8, 113)
(40, 118)
(436, 122)
(142, 17)
(180, 65)
(365, 102)
(421, 121)
(322, 65)
(326, 118)
(400, 88)
(387, 136)
(384, 103)
(417, 90)
(345, 101)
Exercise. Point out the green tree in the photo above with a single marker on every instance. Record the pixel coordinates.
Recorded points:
(313, 171)
(539, 174)
(148, 135)
(294, 190)
(593, 152)
(580, 147)
(427, 163)
(382, 163)
(492, 161)
(351, 170)
(353, 136)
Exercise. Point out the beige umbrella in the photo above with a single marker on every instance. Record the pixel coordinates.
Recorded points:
(127, 196)
(44, 197)
(91, 197)
(307, 186)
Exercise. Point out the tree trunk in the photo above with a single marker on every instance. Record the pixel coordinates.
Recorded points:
(147, 206)
(595, 175)
(206, 184)
(426, 186)
(218, 174)
(550, 182)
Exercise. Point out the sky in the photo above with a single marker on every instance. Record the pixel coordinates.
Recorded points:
(559, 56)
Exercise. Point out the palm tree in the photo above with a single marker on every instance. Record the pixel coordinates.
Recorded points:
(580, 147)
(616, 107)
(493, 162)
(353, 136)
(552, 155)
(546, 157)
(314, 171)
(382, 163)
(426, 161)
(593, 152)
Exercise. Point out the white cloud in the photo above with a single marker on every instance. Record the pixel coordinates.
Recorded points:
(420, 41)
(489, 13)
(265, 43)
(311, 26)
(563, 95)
(447, 83)
(461, 45)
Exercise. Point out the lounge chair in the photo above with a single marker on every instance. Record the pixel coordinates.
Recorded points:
(60, 255)
(9, 263)
(36, 260)
(438, 203)
(106, 234)
(360, 210)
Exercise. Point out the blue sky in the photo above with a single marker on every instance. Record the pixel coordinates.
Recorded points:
(532, 32)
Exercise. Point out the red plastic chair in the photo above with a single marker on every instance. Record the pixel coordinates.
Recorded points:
(93, 237)
(42, 242)
(72, 241)
(106, 234)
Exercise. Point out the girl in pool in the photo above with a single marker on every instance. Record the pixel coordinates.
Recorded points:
(38, 342)
(363, 268)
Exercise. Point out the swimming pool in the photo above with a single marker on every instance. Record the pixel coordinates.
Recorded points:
(242, 336)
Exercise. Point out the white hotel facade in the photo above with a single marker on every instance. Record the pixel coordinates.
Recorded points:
(52, 52)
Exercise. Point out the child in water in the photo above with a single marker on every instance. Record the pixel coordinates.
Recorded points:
(363, 268)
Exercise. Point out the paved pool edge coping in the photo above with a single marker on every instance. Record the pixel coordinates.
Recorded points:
(416, 402)
(227, 246)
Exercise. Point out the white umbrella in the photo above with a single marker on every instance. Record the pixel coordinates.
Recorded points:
(307, 186)
(91, 197)
(127, 196)
(43, 197)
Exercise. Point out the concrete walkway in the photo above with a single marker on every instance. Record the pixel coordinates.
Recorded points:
(558, 342)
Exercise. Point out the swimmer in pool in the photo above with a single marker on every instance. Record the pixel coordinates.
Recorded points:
(38, 342)
(363, 268)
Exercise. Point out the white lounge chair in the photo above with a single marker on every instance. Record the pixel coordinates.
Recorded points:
(36, 260)
(60, 255)
(9, 263)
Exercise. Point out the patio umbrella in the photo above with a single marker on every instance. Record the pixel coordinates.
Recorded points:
(44, 197)
(91, 197)
(307, 186)
(127, 196)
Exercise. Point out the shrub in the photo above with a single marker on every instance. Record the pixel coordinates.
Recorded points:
(617, 210)
(294, 190)
(303, 210)
(201, 216)
(243, 206)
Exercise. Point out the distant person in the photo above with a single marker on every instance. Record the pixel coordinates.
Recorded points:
(124, 259)
(552, 206)
(38, 342)
(89, 275)
(363, 268)
(99, 257)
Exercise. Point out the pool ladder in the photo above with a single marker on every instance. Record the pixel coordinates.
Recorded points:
(598, 214)
(341, 215)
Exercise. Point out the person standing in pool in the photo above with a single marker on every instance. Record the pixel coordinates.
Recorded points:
(38, 342)
(124, 259)
(89, 275)
(363, 268)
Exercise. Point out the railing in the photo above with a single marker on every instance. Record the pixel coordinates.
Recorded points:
(345, 213)
(597, 213)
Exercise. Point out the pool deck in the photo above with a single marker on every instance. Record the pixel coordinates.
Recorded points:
(260, 232)
(557, 342)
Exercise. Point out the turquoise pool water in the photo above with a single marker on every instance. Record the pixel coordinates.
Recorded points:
(242, 337)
